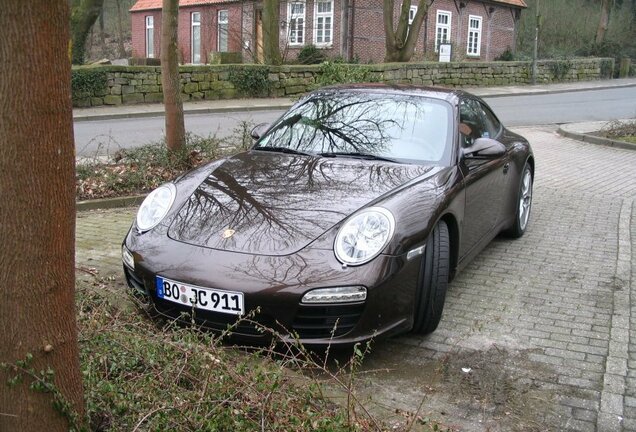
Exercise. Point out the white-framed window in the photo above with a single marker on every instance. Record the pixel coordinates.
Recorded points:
(323, 34)
(412, 13)
(473, 45)
(222, 33)
(150, 36)
(443, 24)
(195, 37)
(296, 23)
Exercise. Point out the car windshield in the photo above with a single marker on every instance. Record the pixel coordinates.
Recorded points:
(406, 128)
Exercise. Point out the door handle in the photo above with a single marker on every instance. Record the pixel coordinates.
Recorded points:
(506, 167)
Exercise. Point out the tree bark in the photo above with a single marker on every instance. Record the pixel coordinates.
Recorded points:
(84, 15)
(102, 31)
(271, 42)
(37, 216)
(120, 31)
(175, 127)
(400, 43)
(344, 30)
(603, 20)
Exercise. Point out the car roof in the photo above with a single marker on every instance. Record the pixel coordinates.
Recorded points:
(451, 95)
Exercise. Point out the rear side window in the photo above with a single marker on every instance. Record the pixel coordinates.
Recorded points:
(479, 119)
(492, 124)
(471, 121)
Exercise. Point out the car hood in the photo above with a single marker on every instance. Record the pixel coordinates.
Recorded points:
(276, 204)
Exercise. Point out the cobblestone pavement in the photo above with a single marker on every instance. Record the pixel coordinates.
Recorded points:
(537, 333)
(98, 238)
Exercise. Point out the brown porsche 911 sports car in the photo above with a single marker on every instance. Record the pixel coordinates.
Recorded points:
(345, 221)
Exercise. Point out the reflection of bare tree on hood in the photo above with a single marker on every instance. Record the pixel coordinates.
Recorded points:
(275, 201)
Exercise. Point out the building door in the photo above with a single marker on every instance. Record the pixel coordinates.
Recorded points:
(260, 58)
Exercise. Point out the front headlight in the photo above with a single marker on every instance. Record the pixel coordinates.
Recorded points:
(364, 235)
(155, 207)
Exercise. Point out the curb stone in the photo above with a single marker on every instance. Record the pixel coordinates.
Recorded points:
(159, 113)
(107, 203)
(592, 139)
(612, 409)
(495, 94)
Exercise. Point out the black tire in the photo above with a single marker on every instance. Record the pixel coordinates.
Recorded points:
(432, 281)
(522, 220)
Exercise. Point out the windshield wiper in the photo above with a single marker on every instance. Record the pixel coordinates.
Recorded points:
(359, 155)
(282, 150)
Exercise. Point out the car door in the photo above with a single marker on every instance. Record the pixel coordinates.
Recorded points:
(484, 177)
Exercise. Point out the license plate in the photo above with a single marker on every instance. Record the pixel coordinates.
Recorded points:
(210, 299)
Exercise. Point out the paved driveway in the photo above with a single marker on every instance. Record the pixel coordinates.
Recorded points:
(537, 333)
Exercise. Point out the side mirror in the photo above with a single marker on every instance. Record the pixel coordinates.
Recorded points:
(259, 130)
(484, 148)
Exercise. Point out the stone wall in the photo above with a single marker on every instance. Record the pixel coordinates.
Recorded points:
(115, 85)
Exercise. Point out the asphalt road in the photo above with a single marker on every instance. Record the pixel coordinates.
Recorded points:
(557, 108)
(107, 136)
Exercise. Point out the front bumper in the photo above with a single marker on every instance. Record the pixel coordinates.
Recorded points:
(273, 287)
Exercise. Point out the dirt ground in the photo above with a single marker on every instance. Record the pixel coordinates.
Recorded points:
(494, 389)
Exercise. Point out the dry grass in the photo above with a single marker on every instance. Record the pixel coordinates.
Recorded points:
(624, 130)
(142, 169)
(143, 372)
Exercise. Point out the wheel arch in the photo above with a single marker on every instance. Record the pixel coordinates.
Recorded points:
(530, 161)
(453, 234)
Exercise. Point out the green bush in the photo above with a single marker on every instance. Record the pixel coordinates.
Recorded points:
(229, 57)
(607, 69)
(87, 82)
(309, 54)
(609, 49)
(340, 73)
(144, 61)
(560, 69)
(507, 55)
(251, 81)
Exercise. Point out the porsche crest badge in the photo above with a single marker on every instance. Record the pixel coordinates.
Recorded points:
(227, 233)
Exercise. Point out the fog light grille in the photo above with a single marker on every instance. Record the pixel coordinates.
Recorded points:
(134, 281)
(320, 321)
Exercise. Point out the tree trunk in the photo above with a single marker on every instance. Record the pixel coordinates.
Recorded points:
(344, 30)
(271, 43)
(175, 128)
(37, 217)
(84, 14)
(120, 31)
(603, 21)
(400, 43)
(102, 35)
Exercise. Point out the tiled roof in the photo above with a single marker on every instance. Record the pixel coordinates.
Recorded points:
(519, 3)
(156, 4)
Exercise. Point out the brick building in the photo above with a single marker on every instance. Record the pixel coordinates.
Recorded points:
(477, 29)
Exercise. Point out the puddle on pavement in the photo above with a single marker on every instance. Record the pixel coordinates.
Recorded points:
(492, 389)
